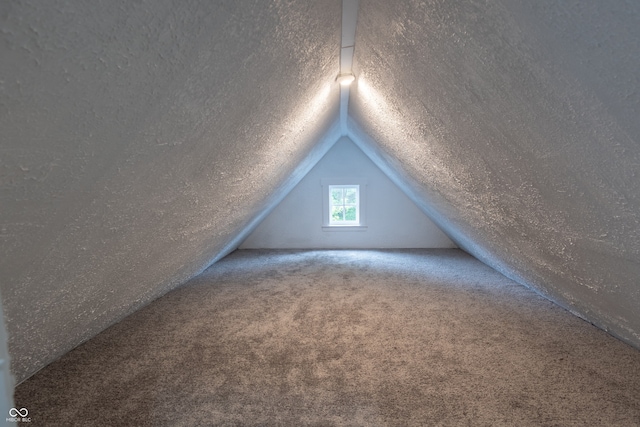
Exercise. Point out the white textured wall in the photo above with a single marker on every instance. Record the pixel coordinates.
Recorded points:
(518, 121)
(138, 139)
(393, 221)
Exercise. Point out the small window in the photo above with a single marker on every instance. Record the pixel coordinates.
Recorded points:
(344, 205)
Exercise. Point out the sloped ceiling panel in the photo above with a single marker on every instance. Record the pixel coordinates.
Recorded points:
(138, 139)
(518, 122)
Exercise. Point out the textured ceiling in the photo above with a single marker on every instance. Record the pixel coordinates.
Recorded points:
(517, 123)
(138, 140)
(142, 140)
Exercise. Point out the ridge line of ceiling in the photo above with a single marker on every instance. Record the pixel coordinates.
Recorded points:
(347, 47)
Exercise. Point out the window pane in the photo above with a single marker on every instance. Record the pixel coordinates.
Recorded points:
(350, 213)
(336, 196)
(337, 213)
(350, 195)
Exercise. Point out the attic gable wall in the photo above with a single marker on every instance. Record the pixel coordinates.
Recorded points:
(139, 139)
(517, 120)
(391, 219)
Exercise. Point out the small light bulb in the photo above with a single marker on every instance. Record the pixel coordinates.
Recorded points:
(345, 79)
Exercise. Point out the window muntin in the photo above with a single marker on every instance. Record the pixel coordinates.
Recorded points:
(344, 204)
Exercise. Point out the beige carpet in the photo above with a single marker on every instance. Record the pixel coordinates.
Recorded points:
(344, 338)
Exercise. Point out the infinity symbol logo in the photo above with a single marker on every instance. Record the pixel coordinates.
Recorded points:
(23, 412)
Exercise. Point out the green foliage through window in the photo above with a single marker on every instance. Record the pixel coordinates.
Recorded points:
(344, 204)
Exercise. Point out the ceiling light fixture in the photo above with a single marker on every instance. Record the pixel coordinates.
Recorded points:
(345, 79)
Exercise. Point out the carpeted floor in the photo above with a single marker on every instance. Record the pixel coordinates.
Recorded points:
(344, 338)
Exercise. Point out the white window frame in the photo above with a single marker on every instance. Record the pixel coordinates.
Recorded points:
(360, 224)
(344, 205)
